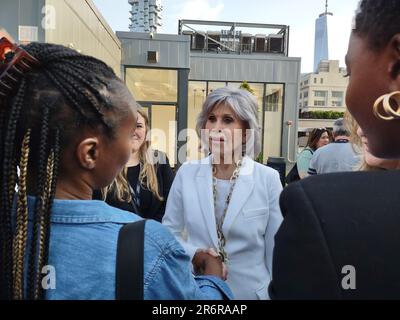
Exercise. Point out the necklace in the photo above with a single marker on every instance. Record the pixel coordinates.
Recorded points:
(220, 222)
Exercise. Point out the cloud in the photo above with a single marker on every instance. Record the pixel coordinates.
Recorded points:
(175, 10)
(201, 10)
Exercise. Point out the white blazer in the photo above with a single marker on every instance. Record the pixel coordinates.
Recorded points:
(252, 219)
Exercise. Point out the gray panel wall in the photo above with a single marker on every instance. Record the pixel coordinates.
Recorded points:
(173, 49)
(264, 68)
(253, 68)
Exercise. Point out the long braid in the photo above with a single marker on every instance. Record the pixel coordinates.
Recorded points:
(52, 170)
(33, 272)
(7, 191)
(21, 233)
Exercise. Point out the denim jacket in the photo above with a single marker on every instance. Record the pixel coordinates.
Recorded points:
(83, 246)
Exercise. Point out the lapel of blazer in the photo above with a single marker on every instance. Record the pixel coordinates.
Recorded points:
(204, 192)
(243, 188)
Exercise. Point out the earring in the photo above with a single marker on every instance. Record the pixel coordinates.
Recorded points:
(389, 113)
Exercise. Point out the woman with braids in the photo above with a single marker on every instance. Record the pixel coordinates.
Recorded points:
(345, 243)
(143, 186)
(66, 125)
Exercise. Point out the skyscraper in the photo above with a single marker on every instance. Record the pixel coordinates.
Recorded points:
(145, 15)
(321, 37)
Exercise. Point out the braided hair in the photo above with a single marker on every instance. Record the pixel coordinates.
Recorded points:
(52, 102)
(378, 20)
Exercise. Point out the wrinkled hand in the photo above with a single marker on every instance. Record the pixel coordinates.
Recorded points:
(208, 262)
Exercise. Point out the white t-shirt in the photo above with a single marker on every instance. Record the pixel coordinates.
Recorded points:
(223, 187)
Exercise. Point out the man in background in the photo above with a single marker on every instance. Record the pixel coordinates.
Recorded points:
(338, 156)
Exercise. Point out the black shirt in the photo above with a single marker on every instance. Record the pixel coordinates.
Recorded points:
(149, 205)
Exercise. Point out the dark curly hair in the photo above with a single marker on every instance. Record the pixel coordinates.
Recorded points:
(50, 105)
(378, 21)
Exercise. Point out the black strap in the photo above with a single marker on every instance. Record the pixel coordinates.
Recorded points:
(130, 259)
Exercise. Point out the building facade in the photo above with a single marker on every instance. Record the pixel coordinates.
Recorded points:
(145, 15)
(75, 24)
(324, 90)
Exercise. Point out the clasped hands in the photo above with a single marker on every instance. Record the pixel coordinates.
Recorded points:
(208, 262)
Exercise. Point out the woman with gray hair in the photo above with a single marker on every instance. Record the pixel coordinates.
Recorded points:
(227, 204)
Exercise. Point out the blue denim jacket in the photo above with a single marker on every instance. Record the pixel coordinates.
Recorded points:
(83, 246)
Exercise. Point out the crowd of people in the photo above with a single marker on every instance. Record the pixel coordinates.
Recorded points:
(77, 167)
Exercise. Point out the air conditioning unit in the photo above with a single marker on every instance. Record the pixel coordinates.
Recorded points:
(260, 43)
(199, 42)
(275, 43)
(212, 45)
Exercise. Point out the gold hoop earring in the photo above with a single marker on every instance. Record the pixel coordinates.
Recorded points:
(388, 108)
(388, 113)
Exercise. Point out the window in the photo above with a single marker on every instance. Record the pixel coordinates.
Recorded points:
(318, 103)
(315, 80)
(274, 94)
(337, 104)
(272, 101)
(156, 85)
(320, 94)
(322, 80)
(301, 95)
(196, 97)
(337, 94)
(305, 94)
(306, 82)
(305, 103)
(215, 85)
(258, 91)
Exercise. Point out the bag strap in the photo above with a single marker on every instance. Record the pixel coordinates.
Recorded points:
(130, 260)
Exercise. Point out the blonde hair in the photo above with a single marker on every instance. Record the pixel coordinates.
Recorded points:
(119, 188)
(356, 144)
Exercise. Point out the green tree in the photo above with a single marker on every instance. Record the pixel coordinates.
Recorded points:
(246, 86)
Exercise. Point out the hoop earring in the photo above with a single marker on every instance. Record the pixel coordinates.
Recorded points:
(388, 113)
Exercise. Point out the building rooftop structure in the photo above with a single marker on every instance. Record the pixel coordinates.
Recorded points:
(236, 37)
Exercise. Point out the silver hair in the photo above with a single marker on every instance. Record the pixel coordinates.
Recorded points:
(340, 128)
(243, 104)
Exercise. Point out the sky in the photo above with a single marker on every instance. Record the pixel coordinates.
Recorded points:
(299, 15)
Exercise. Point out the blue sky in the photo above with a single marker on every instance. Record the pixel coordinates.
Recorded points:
(299, 15)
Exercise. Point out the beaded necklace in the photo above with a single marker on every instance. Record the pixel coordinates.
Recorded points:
(220, 222)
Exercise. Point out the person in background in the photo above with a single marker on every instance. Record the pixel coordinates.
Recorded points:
(143, 186)
(318, 138)
(338, 156)
(340, 234)
(227, 201)
(368, 161)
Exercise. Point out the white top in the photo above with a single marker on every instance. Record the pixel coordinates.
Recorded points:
(223, 188)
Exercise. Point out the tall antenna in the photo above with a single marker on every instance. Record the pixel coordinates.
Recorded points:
(326, 7)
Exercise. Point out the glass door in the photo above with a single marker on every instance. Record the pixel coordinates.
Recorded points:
(163, 128)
